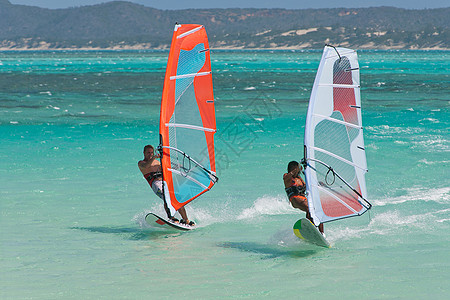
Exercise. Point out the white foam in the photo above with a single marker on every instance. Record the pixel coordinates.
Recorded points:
(442, 220)
(284, 238)
(372, 146)
(393, 219)
(267, 205)
(387, 223)
(346, 233)
(139, 218)
(439, 195)
(388, 130)
(53, 107)
(432, 120)
(432, 143)
(445, 217)
(215, 213)
(425, 161)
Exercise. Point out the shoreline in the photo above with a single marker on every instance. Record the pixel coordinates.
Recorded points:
(29, 45)
(293, 48)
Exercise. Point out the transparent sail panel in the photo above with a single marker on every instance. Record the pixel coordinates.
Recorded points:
(334, 146)
(187, 117)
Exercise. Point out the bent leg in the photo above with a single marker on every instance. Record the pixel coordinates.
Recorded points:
(157, 187)
(308, 216)
(301, 203)
(183, 214)
(321, 227)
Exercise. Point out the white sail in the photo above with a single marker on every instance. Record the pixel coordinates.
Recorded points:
(334, 146)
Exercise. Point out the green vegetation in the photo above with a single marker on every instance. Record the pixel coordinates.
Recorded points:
(124, 24)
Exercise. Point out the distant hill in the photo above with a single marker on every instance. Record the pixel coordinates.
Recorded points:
(125, 25)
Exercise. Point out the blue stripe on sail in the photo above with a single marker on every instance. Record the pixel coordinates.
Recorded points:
(186, 188)
(189, 62)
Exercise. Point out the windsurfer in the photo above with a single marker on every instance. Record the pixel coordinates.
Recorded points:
(295, 188)
(151, 169)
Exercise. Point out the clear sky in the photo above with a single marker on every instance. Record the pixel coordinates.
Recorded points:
(289, 4)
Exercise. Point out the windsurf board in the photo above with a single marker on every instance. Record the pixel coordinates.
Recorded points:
(156, 221)
(307, 231)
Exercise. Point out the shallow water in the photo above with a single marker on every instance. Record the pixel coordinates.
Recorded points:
(73, 125)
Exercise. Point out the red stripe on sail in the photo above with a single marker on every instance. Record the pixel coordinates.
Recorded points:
(344, 98)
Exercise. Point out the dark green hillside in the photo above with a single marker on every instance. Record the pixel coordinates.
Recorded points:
(126, 24)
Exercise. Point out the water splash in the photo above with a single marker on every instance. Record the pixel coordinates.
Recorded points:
(267, 205)
(439, 195)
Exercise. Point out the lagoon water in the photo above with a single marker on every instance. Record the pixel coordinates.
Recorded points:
(72, 128)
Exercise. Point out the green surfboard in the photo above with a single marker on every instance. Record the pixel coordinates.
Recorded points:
(307, 231)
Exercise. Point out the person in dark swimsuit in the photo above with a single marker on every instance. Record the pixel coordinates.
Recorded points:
(295, 188)
(150, 167)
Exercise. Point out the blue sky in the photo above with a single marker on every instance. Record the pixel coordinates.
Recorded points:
(289, 4)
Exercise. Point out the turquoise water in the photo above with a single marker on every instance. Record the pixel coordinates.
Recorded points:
(72, 128)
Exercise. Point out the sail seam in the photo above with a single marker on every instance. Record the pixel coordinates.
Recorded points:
(338, 121)
(337, 198)
(339, 157)
(344, 86)
(181, 95)
(335, 103)
(188, 177)
(189, 32)
(189, 75)
(190, 127)
(211, 174)
(342, 54)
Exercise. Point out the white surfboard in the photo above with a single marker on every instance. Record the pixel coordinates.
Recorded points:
(156, 221)
(306, 230)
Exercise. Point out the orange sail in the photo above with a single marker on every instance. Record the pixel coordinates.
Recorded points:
(187, 120)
